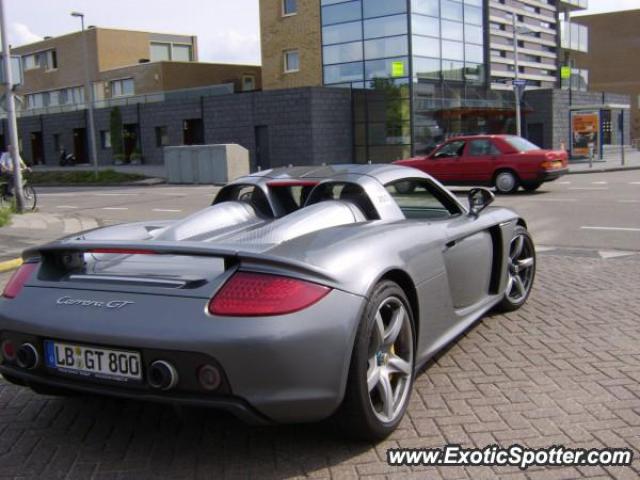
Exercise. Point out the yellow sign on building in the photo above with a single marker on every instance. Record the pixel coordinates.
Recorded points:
(397, 69)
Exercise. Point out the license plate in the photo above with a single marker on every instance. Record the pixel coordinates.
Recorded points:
(93, 362)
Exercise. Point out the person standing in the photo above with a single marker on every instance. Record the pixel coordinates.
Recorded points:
(7, 169)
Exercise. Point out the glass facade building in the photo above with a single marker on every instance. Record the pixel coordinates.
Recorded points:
(418, 70)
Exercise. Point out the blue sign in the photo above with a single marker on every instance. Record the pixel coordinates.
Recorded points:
(16, 70)
(519, 82)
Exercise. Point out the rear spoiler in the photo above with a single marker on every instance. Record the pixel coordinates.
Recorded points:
(71, 252)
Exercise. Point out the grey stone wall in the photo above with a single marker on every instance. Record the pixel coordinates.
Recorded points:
(551, 108)
(306, 125)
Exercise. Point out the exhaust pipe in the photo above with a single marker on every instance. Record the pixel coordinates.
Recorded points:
(162, 375)
(27, 356)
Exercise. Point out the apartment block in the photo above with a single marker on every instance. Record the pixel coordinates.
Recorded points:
(121, 63)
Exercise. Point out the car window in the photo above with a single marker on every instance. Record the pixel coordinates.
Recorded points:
(250, 194)
(421, 199)
(345, 191)
(482, 147)
(451, 149)
(521, 144)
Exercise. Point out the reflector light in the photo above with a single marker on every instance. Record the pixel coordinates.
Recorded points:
(18, 279)
(122, 251)
(257, 294)
(9, 350)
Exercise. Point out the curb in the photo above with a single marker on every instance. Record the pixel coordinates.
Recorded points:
(125, 184)
(10, 265)
(602, 170)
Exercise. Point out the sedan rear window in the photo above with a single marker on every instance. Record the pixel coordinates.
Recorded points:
(521, 144)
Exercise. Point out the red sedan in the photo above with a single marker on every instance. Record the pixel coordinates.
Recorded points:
(505, 162)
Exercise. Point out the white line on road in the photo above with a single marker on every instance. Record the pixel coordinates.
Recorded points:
(628, 201)
(66, 206)
(612, 229)
(114, 194)
(115, 208)
(634, 183)
(564, 183)
(554, 199)
(599, 183)
(588, 188)
(167, 210)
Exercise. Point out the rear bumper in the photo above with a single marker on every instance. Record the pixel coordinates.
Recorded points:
(285, 369)
(550, 175)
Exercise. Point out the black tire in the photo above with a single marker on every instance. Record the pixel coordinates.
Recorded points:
(357, 415)
(506, 182)
(511, 302)
(531, 187)
(30, 197)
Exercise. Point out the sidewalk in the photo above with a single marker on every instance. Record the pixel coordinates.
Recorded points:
(151, 171)
(34, 229)
(612, 162)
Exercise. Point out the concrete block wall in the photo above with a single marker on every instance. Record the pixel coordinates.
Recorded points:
(306, 125)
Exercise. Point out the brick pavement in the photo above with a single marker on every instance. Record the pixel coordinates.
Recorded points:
(563, 370)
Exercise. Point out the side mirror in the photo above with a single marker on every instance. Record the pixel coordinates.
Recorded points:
(479, 199)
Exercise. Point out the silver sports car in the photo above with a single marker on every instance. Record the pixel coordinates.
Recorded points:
(300, 293)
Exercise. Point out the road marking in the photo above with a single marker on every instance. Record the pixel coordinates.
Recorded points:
(554, 199)
(612, 229)
(114, 194)
(599, 183)
(115, 208)
(564, 183)
(70, 207)
(607, 254)
(628, 201)
(588, 188)
(167, 210)
(634, 183)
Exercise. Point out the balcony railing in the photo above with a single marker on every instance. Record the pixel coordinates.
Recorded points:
(575, 4)
(184, 94)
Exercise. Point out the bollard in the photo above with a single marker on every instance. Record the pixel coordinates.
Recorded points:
(590, 155)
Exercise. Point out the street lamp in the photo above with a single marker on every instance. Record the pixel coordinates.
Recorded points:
(88, 95)
(518, 86)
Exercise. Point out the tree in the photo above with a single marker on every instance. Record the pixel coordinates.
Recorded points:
(115, 132)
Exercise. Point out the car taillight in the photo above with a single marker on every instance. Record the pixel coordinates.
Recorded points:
(257, 294)
(18, 279)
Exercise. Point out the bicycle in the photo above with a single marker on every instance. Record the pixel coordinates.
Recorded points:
(29, 194)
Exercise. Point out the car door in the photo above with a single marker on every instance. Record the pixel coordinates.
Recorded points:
(469, 261)
(476, 164)
(444, 163)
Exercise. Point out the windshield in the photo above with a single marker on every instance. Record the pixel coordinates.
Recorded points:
(521, 144)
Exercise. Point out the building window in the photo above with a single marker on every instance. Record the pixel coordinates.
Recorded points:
(122, 88)
(160, 52)
(291, 61)
(105, 139)
(248, 83)
(289, 7)
(162, 137)
(56, 142)
(181, 53)
(47, 59)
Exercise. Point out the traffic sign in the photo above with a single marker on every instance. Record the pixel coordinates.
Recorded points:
(16, 70)
(519, 82)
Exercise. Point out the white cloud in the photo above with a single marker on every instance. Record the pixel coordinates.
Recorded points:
(229, 46)
(20, 34)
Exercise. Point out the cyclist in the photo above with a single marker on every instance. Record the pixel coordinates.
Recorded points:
(6, 169)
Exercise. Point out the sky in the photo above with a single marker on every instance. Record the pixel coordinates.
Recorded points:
(227, 31)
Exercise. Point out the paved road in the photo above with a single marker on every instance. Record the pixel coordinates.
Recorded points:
(565, 369)
(595, 211)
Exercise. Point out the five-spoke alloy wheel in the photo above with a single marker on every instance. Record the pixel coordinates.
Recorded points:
(521, 266)
(382, 365)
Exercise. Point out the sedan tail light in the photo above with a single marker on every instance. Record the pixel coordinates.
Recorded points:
(257, 294)
(18, 279)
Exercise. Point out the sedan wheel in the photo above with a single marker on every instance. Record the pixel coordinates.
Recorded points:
(506, 182)
(382, 366)
(521, 270)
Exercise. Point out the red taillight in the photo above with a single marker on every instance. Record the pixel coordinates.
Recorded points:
(18, 279)
(257, 294)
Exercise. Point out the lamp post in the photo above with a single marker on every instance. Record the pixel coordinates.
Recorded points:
(517, 86)
(88, 95)
(12, 124)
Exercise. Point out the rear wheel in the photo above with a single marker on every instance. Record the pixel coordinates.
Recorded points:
(382, 366)
(30, 197)
(531, 187)
(506, 182)
(521, 271)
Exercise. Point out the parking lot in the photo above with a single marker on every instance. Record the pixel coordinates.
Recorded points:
(564, 370)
